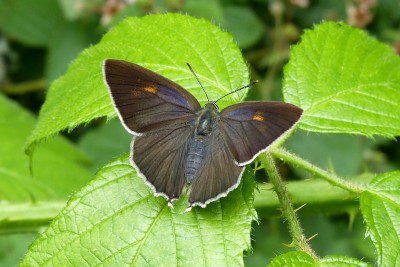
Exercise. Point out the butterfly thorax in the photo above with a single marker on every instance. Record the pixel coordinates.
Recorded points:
(206, 120)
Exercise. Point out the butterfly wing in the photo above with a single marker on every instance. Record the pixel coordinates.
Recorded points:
(162, 113)
(159, 156)
(250, 127)
(146, 101)
(218, 174)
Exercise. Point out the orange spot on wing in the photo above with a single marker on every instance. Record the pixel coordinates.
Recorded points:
(150, 89)
(136, 93)
(258, 117)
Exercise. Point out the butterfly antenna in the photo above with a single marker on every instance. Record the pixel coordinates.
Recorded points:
(190, 67)
(241, 88)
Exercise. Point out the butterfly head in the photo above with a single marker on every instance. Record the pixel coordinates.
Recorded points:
(211, 105)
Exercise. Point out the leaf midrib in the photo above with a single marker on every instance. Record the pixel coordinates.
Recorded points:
(348, 91)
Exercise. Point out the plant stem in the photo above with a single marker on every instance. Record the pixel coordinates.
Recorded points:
(299, 239)
(25, 87)
(319, 195)
(27, 217)
(329, 177)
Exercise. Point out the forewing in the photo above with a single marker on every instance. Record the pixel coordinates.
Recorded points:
(250, 127)
(146, 101)
(217, 176)
(159, 156)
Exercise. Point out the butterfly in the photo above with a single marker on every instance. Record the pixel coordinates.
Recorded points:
(177, 142)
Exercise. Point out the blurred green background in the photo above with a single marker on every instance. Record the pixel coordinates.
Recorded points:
(39, 39)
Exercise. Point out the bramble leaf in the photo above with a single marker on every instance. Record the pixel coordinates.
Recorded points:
(346, 81)
(302, 259)
(162, 43)
(117, 221)
(57, 167)
(380, 207)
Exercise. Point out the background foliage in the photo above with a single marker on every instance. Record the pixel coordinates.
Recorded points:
(39, 41)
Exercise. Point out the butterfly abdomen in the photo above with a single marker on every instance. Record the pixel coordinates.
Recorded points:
(197, 150)
(204, 126)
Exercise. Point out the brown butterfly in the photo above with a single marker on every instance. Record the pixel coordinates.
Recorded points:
(178, 142)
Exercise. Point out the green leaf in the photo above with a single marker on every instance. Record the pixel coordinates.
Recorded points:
(381, 209)
(162, 43)
(30, 199)
(346, 81)
(128, 11)
(319, 195)
(208, 9)
(33, 24)
(64, 47)
(110, 140)
(56, 167)
(238, 20)
(41, 23)
(29, 216)
(117, 221)
(340, 261)
(342, 152)
(302, 259)
(294, 258)
(12, 247)
(227, 17)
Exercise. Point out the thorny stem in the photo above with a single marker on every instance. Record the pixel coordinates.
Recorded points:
(329, 177)
(299, 239)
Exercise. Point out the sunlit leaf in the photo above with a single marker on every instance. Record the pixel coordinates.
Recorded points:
(163, 43)
(381, 209)
(346, 81)
(117, 221)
